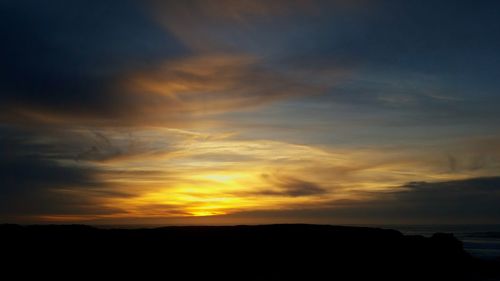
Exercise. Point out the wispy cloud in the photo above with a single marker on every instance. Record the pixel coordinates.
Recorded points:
(164, 109)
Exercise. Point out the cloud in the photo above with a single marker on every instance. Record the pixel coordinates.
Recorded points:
(469, 198)
(108, 147)
(61, 61)
(119, 173)
(220, 83)
(225, 25)
(34, 184)
(473, 200)
(154, 109)
(93, 63)
(101, 64)
(290, 187)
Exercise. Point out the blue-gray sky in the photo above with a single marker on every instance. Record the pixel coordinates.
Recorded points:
(249, 111)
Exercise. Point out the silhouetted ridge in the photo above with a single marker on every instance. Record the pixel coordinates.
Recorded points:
(264, 252)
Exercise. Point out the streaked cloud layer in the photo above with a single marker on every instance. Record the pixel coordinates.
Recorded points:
(249, 111)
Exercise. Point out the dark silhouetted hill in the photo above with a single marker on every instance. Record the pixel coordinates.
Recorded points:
(267, 252)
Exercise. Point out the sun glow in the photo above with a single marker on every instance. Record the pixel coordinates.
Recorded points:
(206, 213)
(195, 175)
(222, 178)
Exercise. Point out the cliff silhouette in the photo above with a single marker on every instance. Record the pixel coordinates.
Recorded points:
(265, 252)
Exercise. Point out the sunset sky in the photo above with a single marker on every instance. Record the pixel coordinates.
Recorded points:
(235, 112)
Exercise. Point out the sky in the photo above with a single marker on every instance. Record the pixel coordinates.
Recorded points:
(249, 112)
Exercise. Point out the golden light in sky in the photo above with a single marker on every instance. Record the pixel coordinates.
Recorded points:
(205, 174)
(298, 111)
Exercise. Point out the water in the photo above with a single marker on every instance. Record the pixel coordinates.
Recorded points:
(481, 241)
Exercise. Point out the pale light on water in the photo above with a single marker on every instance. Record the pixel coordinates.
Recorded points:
(479, 240)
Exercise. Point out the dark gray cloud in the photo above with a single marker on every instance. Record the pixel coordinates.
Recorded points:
(71, 58)
(436, 60)
(411, 35)
(32, 182)
(461, 201)
(468, 199)
(100, 148)
(110, 62)
(68, 56)
(290, 187)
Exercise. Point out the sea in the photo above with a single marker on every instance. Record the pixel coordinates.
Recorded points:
(479, 240)
(482, 241)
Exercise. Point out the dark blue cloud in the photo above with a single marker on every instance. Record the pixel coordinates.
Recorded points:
(442, 56)
(68, 55)
(31, 178)
(419, 35)
(472, 200)
(291, 187)
(71, 57)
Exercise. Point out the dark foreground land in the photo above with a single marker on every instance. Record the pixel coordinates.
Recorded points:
(268, 252)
